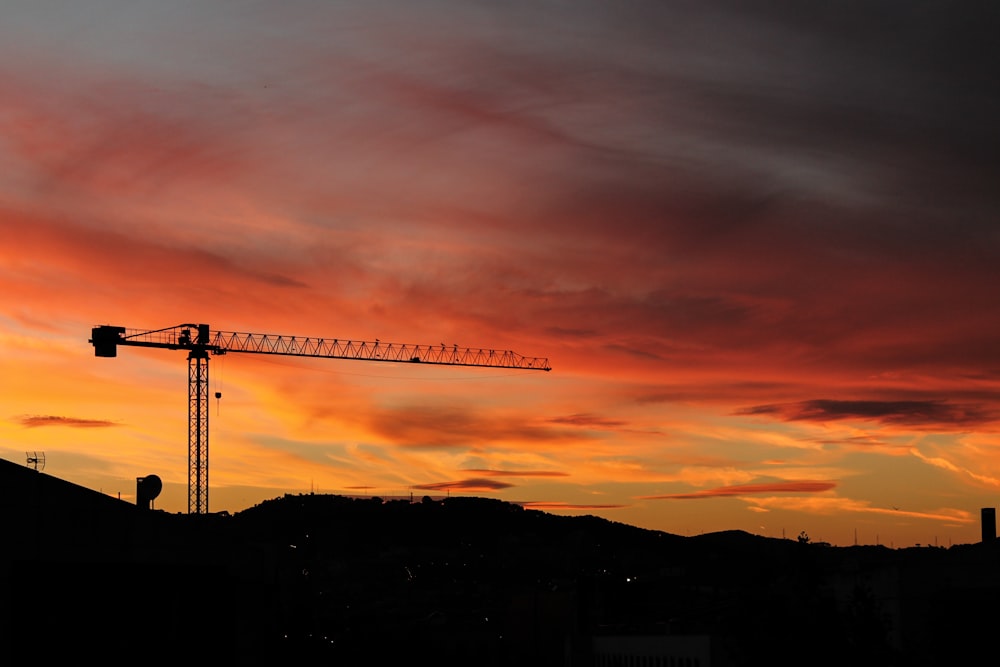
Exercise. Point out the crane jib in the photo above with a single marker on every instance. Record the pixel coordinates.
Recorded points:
(198, 337)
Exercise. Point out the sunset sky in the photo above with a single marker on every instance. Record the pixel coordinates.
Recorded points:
(759, 244)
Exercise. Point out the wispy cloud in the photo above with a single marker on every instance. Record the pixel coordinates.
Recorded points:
(444, 427)
(831, 505)
(588, 421)
(547, 506)
(517, 473)
(472, 484)
(804, 486)
(946, 464)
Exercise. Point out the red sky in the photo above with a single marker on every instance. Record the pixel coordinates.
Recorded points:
(758, 247)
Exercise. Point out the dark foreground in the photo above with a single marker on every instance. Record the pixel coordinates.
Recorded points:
(468, 581)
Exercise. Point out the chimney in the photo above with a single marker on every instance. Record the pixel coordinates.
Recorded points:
(989, 521)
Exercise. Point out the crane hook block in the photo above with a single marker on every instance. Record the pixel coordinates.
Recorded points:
(105, 340)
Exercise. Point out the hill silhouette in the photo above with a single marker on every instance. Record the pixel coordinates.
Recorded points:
(464, 580)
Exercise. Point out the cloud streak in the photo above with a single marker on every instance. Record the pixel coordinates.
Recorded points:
(918, 414)
(798, 487)
(517, 473)
(555, 506)
(471, 484)
(36, 421)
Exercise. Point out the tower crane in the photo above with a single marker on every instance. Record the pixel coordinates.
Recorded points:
(200, 341)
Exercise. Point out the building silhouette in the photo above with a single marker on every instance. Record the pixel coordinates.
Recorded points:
(988, 519)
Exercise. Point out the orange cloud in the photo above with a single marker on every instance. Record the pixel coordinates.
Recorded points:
(804, 486)
(517, 473)
(588, 421)
(444, 427)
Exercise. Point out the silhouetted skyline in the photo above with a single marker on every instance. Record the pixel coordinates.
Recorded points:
(464, 580)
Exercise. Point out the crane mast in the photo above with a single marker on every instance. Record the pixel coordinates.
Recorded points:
(200, 342)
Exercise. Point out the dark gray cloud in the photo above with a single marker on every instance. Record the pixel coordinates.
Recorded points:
(922, 414)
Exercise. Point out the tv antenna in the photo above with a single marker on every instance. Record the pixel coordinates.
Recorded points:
(36, 459)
